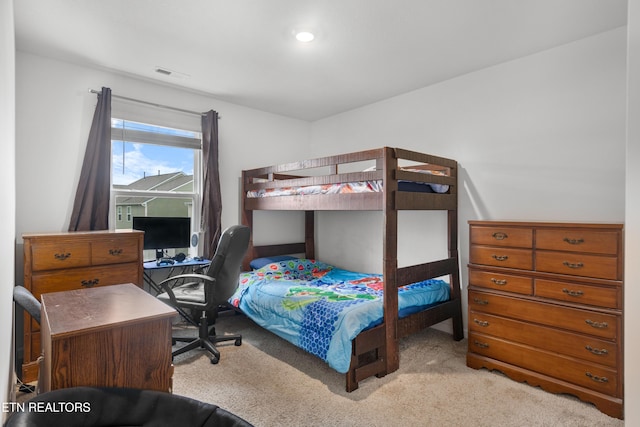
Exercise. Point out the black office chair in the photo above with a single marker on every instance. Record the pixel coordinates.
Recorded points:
(206, 292)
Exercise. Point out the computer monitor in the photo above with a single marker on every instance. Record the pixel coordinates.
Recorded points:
(161, 233)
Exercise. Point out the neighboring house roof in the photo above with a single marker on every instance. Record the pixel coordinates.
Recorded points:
(161, 182)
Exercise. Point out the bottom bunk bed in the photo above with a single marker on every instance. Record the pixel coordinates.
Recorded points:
(337, 315)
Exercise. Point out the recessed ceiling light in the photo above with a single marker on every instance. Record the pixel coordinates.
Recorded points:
(304, 36)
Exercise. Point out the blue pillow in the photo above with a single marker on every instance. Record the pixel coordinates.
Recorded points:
(261, 262)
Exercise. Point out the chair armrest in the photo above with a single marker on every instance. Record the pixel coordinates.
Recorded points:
(165, 284)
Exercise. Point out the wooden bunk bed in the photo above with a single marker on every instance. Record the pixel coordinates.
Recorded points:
(374, 351)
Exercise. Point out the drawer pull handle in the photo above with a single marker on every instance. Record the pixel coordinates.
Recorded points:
(599, 352)
(482, 323)
(115, 252)
(480, 301)
(499, 235)
(573, 264)
(597, 378)
(62, 257)
(500, 282)
(481, 344)
(572, 293)
(90, 283)
(500, 257)
(573, 241)
(598, 325)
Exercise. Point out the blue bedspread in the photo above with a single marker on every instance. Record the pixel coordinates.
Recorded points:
(321, 308)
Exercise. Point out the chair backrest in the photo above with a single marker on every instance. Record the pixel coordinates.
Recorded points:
(227, 262)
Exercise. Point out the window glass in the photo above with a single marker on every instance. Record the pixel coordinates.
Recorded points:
(155, 172)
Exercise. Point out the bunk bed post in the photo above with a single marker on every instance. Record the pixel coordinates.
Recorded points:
(247, 219)
(309, 235)
(390, 262)
(452, 223)
(458, 327)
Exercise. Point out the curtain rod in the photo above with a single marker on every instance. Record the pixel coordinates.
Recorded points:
(152, 104)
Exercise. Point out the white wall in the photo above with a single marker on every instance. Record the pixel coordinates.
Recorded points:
(632, 224)
(539, 138)
(8, 179)
(54, 113)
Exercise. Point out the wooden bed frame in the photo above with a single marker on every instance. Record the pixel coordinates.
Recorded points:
(374, 351)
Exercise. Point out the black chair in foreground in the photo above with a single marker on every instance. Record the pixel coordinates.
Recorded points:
(206, 292)
(90, 406)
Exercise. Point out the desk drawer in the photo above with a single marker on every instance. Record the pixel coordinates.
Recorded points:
(115, 251)
(572, 319)
(602, 267)
(502, 257)
(499, 281)
(587, 241)
(586, 374)
(502, 236)
(60, 255)
(576, 345)
(84, 278)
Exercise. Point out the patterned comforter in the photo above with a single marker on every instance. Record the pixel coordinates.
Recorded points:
(321, 308)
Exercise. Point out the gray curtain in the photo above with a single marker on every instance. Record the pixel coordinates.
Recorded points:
(91, 205)
(211, 197)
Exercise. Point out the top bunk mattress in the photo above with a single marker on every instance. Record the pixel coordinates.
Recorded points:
(375, 186)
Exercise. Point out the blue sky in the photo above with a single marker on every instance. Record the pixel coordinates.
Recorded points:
(132, 161)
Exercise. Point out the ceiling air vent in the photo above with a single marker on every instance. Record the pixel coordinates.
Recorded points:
(164, 71)
(171, 73)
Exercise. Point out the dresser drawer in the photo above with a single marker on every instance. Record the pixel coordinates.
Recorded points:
(588, 241)
(599, 296)
(572, 319)
(502, 236)
(576, 371)
(503, 282)
(79, 278)
(602, 267)
(115, 251)
(576, 345)
(502, 257)
(59, 255)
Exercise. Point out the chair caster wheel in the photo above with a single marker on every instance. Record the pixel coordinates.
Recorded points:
(214, 360)
(238, 342)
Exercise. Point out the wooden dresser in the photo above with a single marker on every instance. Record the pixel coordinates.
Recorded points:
(545, 306)
(65, 261)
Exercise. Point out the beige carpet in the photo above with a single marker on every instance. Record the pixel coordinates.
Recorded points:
(269, 382)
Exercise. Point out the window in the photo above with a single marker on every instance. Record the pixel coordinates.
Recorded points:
(155, 171)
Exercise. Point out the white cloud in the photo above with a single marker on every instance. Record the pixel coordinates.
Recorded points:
(138, 164)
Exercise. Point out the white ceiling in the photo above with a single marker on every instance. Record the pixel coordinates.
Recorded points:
(242, 51)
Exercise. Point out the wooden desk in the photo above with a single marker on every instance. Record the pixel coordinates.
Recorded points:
(112, 336)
